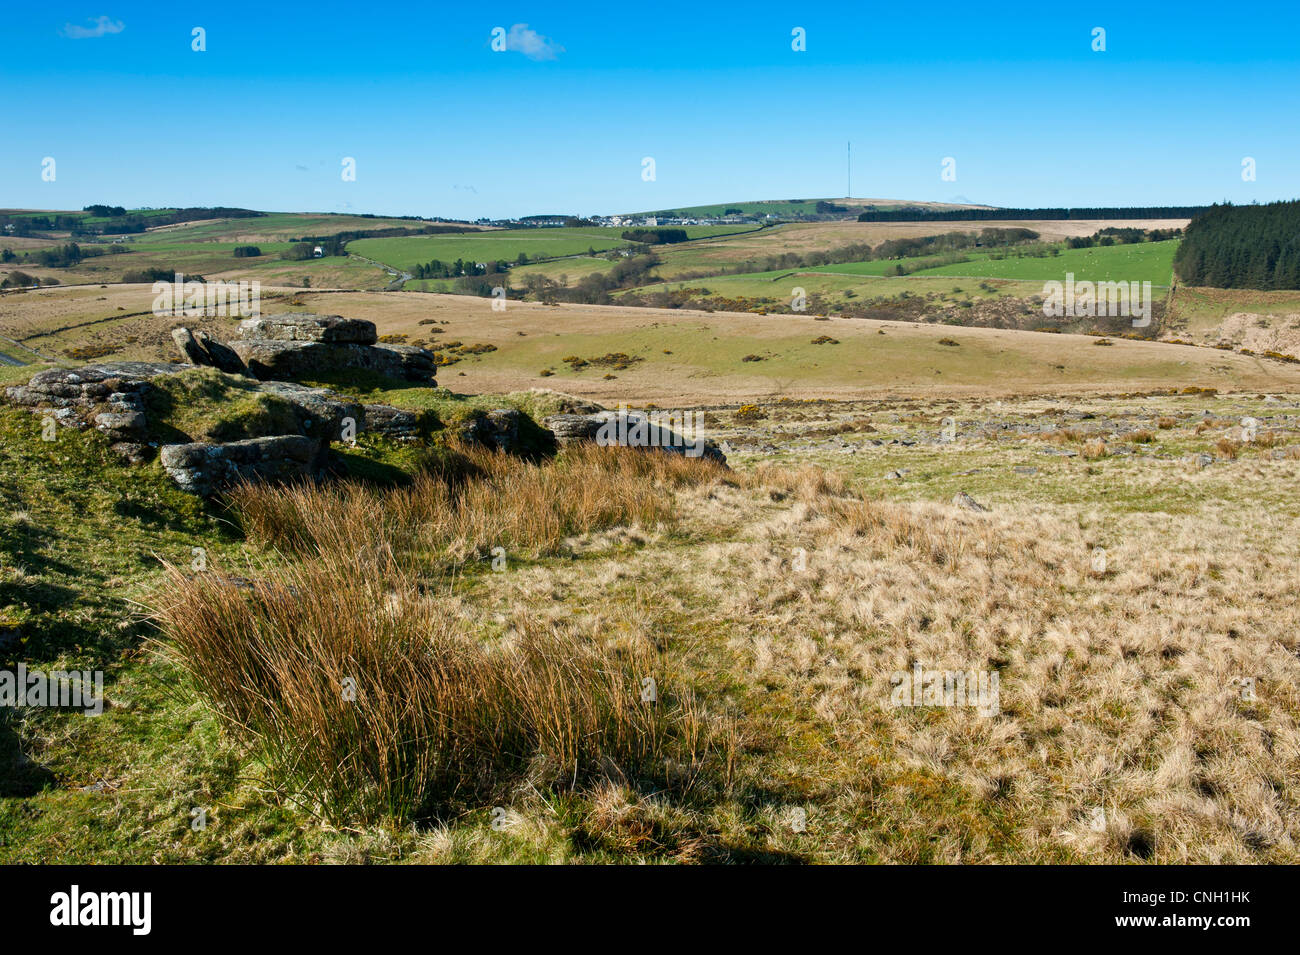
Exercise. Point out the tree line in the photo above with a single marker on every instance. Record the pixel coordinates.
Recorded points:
(437, 269)
(59, 256)
(119, 222)
(914, 214)
(1256, 247)
(656, 236)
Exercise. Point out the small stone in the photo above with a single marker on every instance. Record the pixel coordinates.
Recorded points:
(966, 502)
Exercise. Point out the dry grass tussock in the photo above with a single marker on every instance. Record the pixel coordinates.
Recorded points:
(474, 501)
(1148, 710)
(370, 699)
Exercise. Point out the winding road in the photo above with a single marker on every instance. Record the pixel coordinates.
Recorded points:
(397, 283)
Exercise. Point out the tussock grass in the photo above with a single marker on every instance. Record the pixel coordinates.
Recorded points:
(1063, 436)
(369, 699)
(470, 503)
(806, 483)
(1228, 448)
(1120, 691)
(1095, 450)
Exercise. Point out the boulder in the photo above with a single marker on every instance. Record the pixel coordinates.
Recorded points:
(395, 423)
(111, 398)
(204, 468)
(498, 428)
(321, 414)
(570, 428)
(629, 429)
(297, 346)
(90, 384)
(509, 431)
(269, 359)
(122, 425)
(220, 355)
(331, 329)
(190, 349)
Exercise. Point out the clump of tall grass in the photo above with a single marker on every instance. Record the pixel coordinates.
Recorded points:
(1095, 450)
(1228, 448)
(479, 501)
(1063, 436)
(895, 527)
(367, 698)
(806, 483)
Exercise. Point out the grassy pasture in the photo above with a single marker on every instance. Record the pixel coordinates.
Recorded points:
(804, 237)
(686, 356)
(216, 260)
(883, 267)
(571, 270)
(707, 351)
(503, 245)
(780, 285)
(272, 227)
(1141, 262)
(1150, 261)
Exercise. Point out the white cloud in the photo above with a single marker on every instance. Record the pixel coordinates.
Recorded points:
(523, 39)
(100, 26)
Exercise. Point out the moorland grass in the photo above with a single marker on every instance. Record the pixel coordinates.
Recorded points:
(370, 700)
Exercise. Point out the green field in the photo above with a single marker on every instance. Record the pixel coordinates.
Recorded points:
(566, 271)
(778, 286)
(272, 226)
(1142, 262)
(882, 267)
(505, 245)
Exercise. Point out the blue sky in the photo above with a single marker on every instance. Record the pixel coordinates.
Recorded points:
(440, 124)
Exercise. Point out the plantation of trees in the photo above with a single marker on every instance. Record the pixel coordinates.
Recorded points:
(1255, 247)
(656, 236)
(437, 269)
(913, 214)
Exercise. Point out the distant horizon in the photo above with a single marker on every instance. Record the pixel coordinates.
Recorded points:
(640, 212)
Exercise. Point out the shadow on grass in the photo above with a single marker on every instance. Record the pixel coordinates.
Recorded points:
(20, 777)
